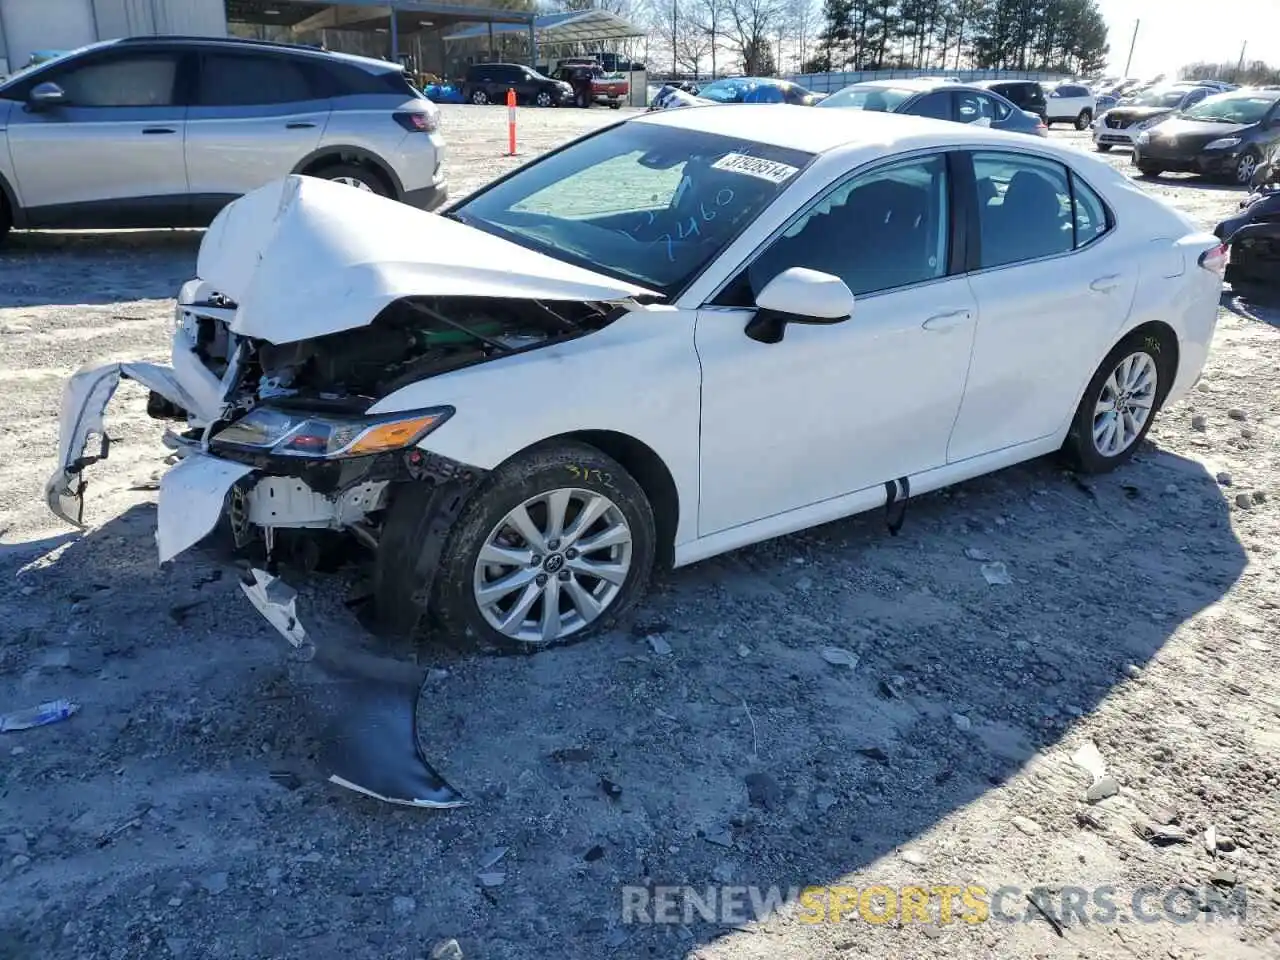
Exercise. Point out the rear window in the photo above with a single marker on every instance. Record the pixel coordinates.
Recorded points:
(235, 79)
(859, 97)
(345, 79)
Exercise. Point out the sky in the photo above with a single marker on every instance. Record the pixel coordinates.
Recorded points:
(1176, 32)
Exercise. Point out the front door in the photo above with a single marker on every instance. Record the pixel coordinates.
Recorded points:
(253, 119)
(833, 409)
(1053, 290)
(111, 155)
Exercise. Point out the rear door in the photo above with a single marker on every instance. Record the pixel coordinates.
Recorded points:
(111, 155)
(253, 118)
(1054, 283)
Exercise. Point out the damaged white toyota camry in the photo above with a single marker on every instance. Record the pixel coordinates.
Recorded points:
(670, 338)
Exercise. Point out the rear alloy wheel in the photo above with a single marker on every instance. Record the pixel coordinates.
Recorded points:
(1247, 166)
(554, 546)
(1084, 119)
(543, 99)
(479, 98)
(1119, 405)
(354, 175)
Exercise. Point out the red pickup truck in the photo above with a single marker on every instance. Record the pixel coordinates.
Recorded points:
(604, 88)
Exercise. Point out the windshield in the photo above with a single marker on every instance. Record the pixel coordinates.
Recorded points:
(1160, 98)
(742, 90)
(868, 97)
(1233, 107)
(644, 202)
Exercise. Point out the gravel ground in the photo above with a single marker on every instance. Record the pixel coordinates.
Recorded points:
(711, 741)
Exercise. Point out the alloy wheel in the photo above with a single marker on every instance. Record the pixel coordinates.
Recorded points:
(479, 98)
(553, 565)
(354, 182)
(544, 99)
(1245, 168)
(1125, 404)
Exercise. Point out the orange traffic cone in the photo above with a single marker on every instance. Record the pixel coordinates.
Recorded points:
(511, 121)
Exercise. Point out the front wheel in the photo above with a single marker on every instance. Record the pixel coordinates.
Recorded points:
(543, 99)
(1103, 147)
(555, 545)
(1120, 404)
(479, 98)
(1246, 167)
(1148, 169)
(1083, 120)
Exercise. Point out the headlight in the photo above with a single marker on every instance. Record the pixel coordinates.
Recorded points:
(1223, 144)
(285, 433)
(1143, 137)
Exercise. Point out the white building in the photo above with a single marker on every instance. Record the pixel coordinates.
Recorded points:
(28, 26)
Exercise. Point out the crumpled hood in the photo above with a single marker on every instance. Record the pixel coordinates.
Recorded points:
(303, 258)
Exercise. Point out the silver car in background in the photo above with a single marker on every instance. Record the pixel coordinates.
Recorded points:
(165, 131)
(941, 99)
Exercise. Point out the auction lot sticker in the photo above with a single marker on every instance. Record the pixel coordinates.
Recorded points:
(769, 170)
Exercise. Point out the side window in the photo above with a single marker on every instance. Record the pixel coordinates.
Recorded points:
(1091, 217)
(136, 81)
(1194, 97)
(937, 105)
(1000, 110)
(972, 107)
(883, 229)
(1025, 208)
(236, 80)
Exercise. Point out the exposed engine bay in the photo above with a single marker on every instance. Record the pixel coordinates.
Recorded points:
(410, 340)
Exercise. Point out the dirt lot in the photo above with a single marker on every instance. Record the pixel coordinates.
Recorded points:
(179, 814)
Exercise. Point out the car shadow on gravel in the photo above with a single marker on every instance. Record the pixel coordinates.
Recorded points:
(1255, 305)
(43, 268)
(714, 739)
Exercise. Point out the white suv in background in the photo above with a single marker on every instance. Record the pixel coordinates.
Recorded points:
(1070, 103)
(165, 131)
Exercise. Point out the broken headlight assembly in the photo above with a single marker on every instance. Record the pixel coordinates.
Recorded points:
(286, 433)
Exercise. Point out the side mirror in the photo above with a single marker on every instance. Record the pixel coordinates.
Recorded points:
(46, 95)
(798, 295)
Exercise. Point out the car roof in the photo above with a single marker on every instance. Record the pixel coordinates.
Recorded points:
(267, 46)
(818, 130)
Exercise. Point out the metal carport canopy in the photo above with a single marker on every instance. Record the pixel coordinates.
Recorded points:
(576, 26)
(367, 14)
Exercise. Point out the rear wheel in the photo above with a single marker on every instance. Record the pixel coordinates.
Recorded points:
(479, 98)
(552, 547)
(543, 99)
(1120, 403)
(1083, 120)
(6, 218)
(355, 175)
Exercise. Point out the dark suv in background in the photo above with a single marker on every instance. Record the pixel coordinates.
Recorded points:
(489, 83)
(1025, 94)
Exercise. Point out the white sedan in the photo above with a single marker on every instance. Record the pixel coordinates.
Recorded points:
(676, 336)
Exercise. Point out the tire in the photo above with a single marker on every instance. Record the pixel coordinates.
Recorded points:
(1149, 169)
(582, 100)
(479, 98)
(355, 175)
(6, 219)
(615, 104)
(1246, 166)
(1083, 119)
(1090, 447)
(1103, 147)
(575, 475)
(543, 99)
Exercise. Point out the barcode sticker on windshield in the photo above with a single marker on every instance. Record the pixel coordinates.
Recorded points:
(769, 170)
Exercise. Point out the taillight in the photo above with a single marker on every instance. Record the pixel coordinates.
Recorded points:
(1215, 259)
(418, 122)
(1042, 129)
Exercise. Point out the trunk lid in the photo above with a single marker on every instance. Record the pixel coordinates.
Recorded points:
(303, 258)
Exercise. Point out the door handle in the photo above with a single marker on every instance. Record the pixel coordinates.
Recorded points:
(945, 321)
(299, 125)
(1105, 284)
(158, 130)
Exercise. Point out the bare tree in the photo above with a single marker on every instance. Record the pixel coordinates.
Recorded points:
(750, 26)
(709, 16)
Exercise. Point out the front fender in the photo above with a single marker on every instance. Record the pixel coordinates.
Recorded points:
(639, 377)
